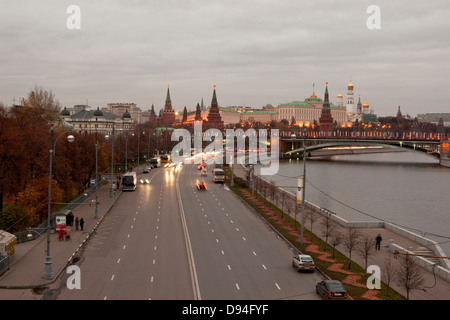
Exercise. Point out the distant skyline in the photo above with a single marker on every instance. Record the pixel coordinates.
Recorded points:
(256, 52)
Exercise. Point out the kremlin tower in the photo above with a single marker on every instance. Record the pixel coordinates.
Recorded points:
(214, 118)
(198, 113)
(168, 114)
(152, 118)
(326, 120)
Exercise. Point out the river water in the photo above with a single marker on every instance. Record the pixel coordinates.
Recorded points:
(407, 188)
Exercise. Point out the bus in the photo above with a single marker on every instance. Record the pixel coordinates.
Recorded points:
(155, 162)
(165, 158)
(129, 181)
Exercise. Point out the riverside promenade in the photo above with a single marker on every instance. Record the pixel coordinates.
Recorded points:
(25, 278)
(433, 288)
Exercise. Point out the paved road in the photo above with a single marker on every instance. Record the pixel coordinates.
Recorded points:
(237, 255)
(138, 251)
(208, 246)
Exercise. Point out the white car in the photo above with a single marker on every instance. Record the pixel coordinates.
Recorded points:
(204, 172)
(303, 262)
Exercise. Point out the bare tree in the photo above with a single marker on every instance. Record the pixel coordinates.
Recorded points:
(282, 197)
(272, 188)
(351, 240)
(312, 216)
(409, 275)
(389, 271)
(335, 240)
(366, 248)
(327, 229)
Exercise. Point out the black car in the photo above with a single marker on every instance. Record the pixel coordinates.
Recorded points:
(331, 289)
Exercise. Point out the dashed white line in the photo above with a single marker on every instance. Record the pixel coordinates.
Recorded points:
(237, 286)
(276, 284)
(264, 267)
(124, 246)
(254, 253)
(229, 267)
(118, 260)
(112, 278)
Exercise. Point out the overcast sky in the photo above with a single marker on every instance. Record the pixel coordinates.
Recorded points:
(255, 52)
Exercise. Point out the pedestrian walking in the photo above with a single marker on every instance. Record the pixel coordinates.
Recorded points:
(77, 223)
(378, 242)
(81, 223)
(68, 232)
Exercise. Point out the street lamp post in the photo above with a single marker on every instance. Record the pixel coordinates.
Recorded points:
(48, 267)
(303, 186)
(139, 138)
(111, 190)
(96, 175)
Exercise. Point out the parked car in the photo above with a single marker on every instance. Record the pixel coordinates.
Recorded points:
(303, 262)
(331, 289)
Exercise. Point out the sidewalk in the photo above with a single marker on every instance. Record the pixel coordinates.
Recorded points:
(436, 287)
(27, 265)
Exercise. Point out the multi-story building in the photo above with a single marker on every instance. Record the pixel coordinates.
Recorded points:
(307, 111)
(120, 108)
(103, 122)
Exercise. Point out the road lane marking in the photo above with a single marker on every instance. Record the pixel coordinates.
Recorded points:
(277, 286)
(222, 252)
(229, 267)
(112, 278)
(264, 267)
(237, 286)
(254, 253)
(244, 238)
(118, 260)
(124, 247)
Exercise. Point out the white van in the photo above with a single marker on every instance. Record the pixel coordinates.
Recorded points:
(218, 175)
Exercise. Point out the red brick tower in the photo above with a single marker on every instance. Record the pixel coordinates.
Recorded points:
(326, 120)
(214, 118)
(168, 114)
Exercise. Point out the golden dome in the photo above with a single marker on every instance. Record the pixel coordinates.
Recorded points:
(365, 105)
(313, 95)
(339, 95)
(350, 85)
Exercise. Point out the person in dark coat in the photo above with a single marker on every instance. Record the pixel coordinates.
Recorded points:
(81, 223)
(378, 242)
